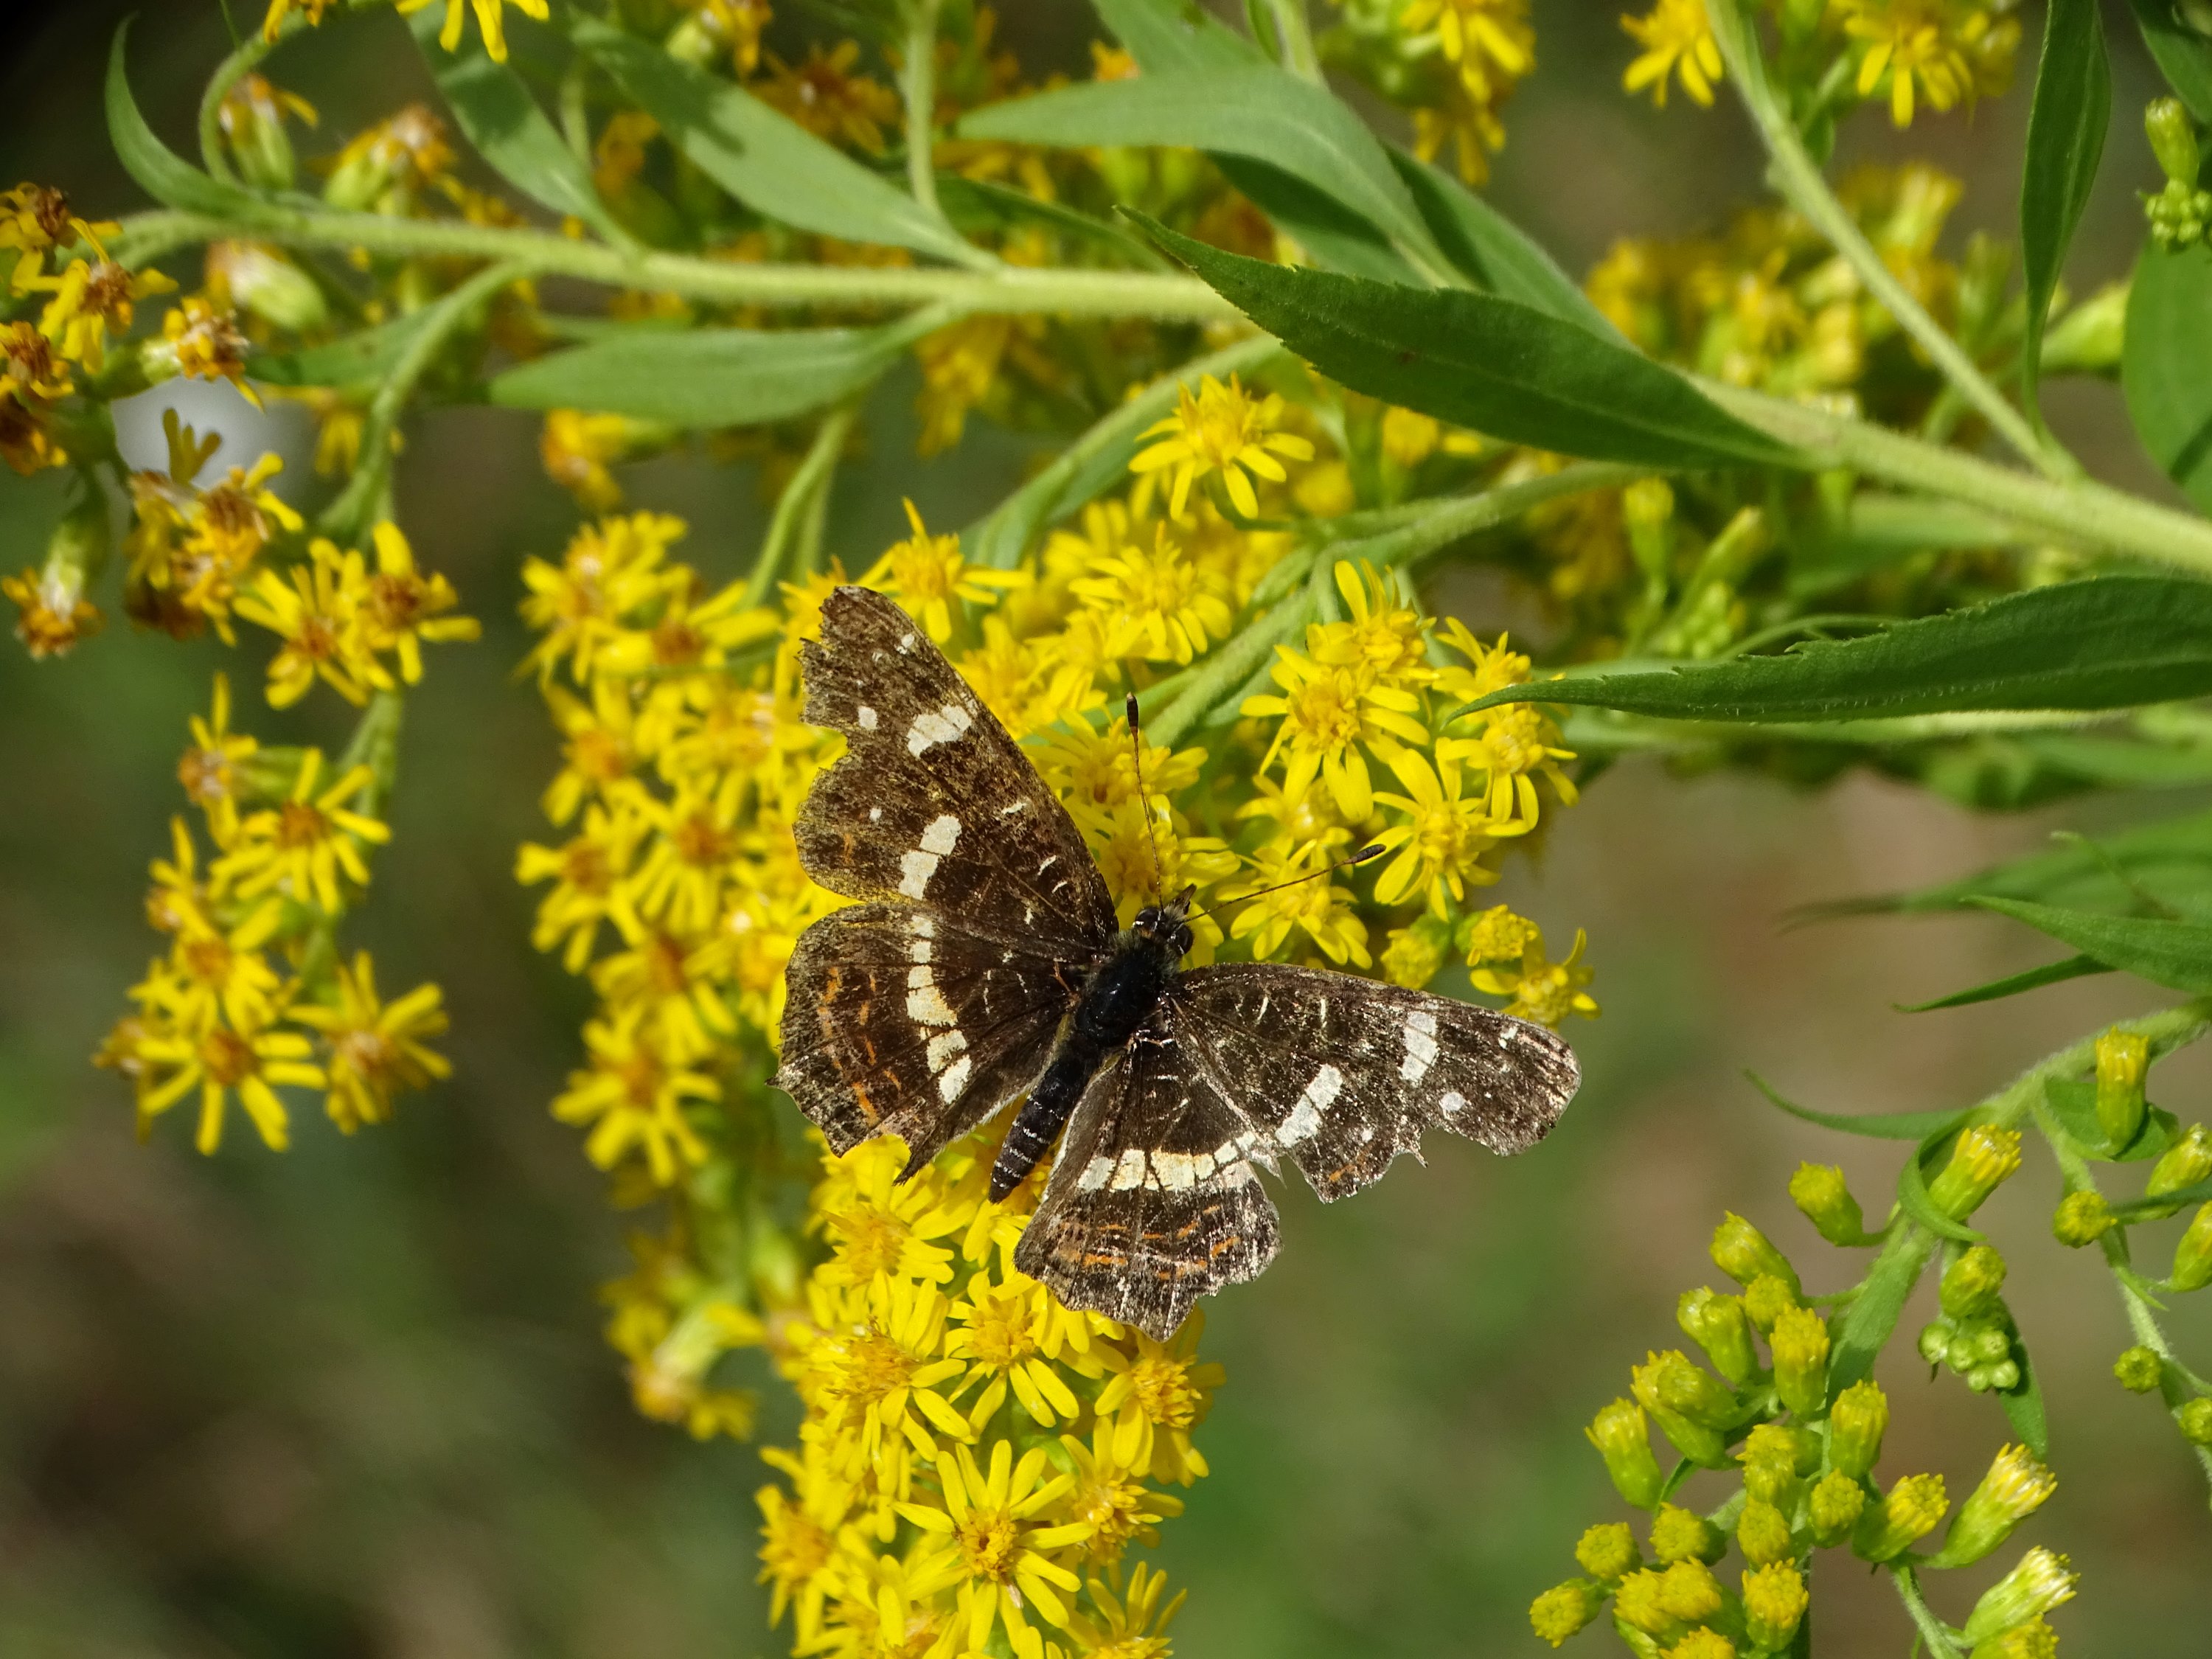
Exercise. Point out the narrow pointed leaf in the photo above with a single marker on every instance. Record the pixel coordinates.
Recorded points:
(704, 378)
(2065, 139)
(1880, 1126)
(1492, 251)
(2023, 1404)
(1913, 1197)
(2184, 54)
(1496, 365)
(2032, 979)
(1175, 34)
(762, 157)
(2166, 363)
(2108, 643)
(1866, 1325)
(2177, 954)
(502, 120)
(157, 169)
(2166, 1204)
(1259, 112)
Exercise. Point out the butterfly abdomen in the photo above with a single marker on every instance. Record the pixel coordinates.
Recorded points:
(1116, 1001)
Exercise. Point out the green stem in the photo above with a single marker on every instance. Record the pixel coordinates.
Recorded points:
(345, 519)
(808, 484)
(1799, 178)
(1010, 290)
(2077, 510)
(1293, 29)
(236, 67)
(1933, 1630)
(918, 87)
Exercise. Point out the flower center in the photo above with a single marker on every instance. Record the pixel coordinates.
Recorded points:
(299, 823)
(227, 1056)
(871, 1240)
(989, 1543)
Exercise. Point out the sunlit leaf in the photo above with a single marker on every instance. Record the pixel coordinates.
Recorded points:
(2012, 985)
(1880, 1126)
(2023, 1404)
(157, 169)
(2166, 363)
(2176, 954)
(2066, 125)
(2183, 52)
(1492, 251)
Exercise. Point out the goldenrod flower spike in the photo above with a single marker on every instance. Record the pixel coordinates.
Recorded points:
(1223, 429)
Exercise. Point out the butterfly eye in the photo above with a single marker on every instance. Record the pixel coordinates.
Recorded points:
(1148, 918)
(1182, 941)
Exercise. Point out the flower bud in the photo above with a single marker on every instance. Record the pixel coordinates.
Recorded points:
(1717, 1324)
(250, 277)
(2139, 1369)
(1762, 1532)
(1934, 1342)
(1639, 1604)
(1672, 1382)
(1907, 1513)
(1835, 1506)
(2014, 1488)
(2123, 1058)
(2184, 1164)
(2041, 1582)
(1688, 1591)
(1703, 1644)
(1647, 509)
(1982, 1157)
(2083, 1217)
(2173, 139)
(2033, 1640)
(1774, 1602)
(2192, 1256)
(1561, 1611)
(1619, 1433)
(1766, 1299)
(1998, 1376)
(1680, 1534)
(1856, 1426)
(2195, 1417)
(1818, 1189)
(1971, 1283)
(1801, 1361)
(1607, 1551)
(2088, 338)
(1741, 1251)
(252, 117)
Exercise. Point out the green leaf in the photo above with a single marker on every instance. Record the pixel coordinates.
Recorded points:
(499, 117)
(1879, 1126)
(2176, 954)
(1496, 365)
(2033, 979)
(2073, 1103)
(2166, 1204)
(157, 169)
(2108, 643)
(1913, 1198)
(1175, 34)
(2023, 1404)
(767, 160)
(1493, 252)
(362, 359)
(705, 377)
(2166, 363)
(978, 206)
(2065, 138)
(2183, 53)
(1866, 1325)
(1256, 111)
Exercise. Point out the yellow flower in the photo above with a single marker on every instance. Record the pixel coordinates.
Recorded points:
(1677, 38)
(675, 983)
(208, 771)
(202, 342)
(29, 368)
(682, 878)
(1155, 1396)
(35, 218)
(735, 25)
(400, 607)
(300, 848)
(824, 96)
(318, 615)
(634, 1097)
(989, 1550)
(1119, 1509)
(609, 571)
(590, 874)
(216, 974)
(490, 19)
(577, 447)
(1096, 766)
(1222, 430)
(876, 1225)
(1133, 1626)
(54, 614)
(1517, 741)
(963, 365)
(599, 751)
(1381, 641)
(1160, 606)
(1467, 117)
(249, 1058)
(25, 443)
(90, 299)
(926, 573)
(1927, 44)
(375, 1047)
(798, 1543)
(1317, 908)
(1487, 40)
(1541, 990)
(1325, 714)
(872, 1360)
(1440, 849)
(311, 10)
(1001, 1331)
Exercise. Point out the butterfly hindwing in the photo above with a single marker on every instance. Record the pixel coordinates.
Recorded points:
(933, 803)
(1342, 1074)
(1155, 1199)
(900, 1022)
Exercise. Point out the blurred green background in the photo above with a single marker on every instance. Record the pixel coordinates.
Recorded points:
(353, 1400)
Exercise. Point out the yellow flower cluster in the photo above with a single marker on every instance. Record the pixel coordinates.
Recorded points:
(1453, 64)
(251, 996)
(1941, 53)
(975, 1461)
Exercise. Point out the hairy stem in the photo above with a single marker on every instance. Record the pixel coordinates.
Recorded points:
(236, 67)
(1798, 178)
(1932, 1630)
(794, 508)
(1295, 31)
(918, 88)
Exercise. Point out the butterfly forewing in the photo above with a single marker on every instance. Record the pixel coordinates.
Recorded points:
(933, 803)
(900, 1022)
(1155, 1199)
(1342, 1074)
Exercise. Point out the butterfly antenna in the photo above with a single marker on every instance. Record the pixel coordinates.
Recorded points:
(1372, 850)
(1144, 800)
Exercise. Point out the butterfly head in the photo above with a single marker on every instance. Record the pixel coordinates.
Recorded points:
(1168, 926)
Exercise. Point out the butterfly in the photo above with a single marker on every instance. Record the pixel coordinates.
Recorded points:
(984, 964)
